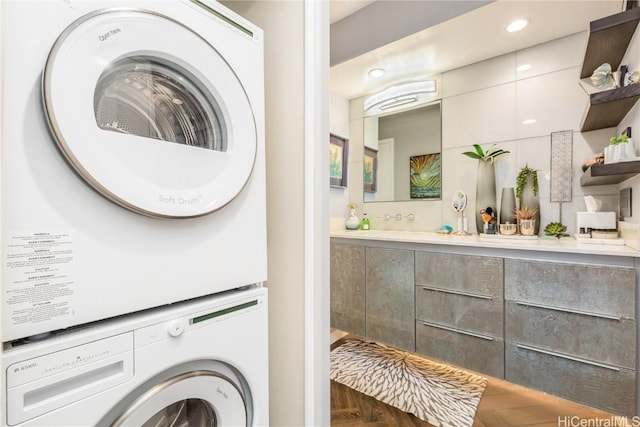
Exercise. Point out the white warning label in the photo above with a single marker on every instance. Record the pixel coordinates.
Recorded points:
(39, 283)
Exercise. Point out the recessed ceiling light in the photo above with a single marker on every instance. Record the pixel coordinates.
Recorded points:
(376, 73)
(517, 25)
(523, 67)
(529, 121)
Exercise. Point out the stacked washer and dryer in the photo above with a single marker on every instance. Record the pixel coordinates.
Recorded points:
(133, 214)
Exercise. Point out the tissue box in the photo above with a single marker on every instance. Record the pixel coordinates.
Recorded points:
(596, 220)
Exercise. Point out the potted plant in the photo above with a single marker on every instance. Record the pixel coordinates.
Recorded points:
(556, 229)
(527, 191)
(485, 180)
(486, 156)
(526, 220)
(521, 181)
(619, 149)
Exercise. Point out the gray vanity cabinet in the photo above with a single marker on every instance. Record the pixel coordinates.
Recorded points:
(389, 297)
(347, 280)
(459, 310)
(571, 331)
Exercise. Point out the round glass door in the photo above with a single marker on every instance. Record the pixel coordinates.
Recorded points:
(188, 412)
(155, 127)
(192, 399)
(143, 96)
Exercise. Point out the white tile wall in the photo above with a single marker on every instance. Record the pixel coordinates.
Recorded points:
(481, 75)
(553, 56)
(479, 117)
(554, 100)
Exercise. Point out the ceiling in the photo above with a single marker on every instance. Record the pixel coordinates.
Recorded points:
(450, 38)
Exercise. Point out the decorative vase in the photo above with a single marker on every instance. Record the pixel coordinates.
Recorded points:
(530, 200)
(507, 206)
(627, 150)
(622, 150)
(528, 227)
(353, 222)
(485, 191)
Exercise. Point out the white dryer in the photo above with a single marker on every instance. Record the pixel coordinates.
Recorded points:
(197, 363)
(132, 140)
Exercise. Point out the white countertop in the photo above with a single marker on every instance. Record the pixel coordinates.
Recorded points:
(565, 245)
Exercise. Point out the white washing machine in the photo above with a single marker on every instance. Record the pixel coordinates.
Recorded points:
(199, 363)
(132, 141)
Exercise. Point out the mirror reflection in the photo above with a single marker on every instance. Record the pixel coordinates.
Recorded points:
(402, 155)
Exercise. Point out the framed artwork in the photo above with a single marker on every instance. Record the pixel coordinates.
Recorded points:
(425, 178)
(370, 176)
(338, 155)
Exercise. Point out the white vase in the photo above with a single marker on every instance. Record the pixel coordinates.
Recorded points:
(352, 222)
(627, 150)
(622, 150)
(614, 152)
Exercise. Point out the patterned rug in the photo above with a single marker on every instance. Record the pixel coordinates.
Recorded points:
(438, 394)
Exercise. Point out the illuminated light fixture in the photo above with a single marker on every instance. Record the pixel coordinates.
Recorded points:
(517, 25)
(523, 67)
(396, 102)
(529, 121)
(376, 73)
(401, 94)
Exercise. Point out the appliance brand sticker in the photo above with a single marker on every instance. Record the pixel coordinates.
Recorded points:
(39, 284)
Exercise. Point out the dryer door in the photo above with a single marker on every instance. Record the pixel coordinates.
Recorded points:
(197, 399)
(149, 113)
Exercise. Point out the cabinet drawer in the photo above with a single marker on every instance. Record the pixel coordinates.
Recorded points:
(472, 351)
(476, 274)
(347, 288)
(607, 388)
(607, 340)
(471, 312)
(588, 288)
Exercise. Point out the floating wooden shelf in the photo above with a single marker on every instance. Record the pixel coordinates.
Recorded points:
(606, 109)
(613, 173)
(609, 38)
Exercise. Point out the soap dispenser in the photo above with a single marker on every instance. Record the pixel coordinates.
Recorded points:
(364, 224)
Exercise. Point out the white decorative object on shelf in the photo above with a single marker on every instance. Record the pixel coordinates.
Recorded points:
(602, 77)
(621, 149)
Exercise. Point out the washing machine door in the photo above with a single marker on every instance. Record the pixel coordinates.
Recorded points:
(149, 113)
(192, 399)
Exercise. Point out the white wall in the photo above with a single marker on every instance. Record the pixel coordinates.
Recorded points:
(485, 103)
(283, 23)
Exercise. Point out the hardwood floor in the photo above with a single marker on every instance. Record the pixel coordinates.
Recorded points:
(502, 405)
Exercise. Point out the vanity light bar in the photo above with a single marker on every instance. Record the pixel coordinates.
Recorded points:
(396, 102)
(393, 93)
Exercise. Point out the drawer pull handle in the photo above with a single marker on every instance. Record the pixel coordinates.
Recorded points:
(564, 356)
(458, 331)
(568, 310)
(450, 291)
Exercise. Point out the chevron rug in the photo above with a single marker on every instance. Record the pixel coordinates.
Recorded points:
(438, 394)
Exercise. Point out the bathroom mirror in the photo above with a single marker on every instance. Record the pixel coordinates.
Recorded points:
(459, 201)
(402, 155)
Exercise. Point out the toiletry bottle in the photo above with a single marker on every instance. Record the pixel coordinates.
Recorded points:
(364, 224)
